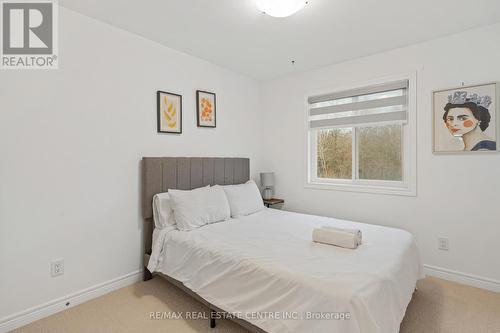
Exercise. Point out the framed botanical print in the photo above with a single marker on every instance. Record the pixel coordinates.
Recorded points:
(465, 119)
(169, 112)
(205, 108)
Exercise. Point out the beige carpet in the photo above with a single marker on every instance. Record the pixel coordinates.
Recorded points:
(437, 306)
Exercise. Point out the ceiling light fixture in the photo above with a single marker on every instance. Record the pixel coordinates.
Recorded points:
(280, 8)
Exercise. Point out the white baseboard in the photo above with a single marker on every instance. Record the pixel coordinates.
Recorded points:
(30, 315)
(468, 279)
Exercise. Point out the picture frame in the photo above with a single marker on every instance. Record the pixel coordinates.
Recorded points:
(465, 119)
(169, 112)
(206, 108)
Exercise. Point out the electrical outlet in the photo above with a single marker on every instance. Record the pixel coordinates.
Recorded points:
(57, 267)
(443, 243)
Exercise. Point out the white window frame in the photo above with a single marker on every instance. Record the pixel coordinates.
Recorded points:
(407, 186)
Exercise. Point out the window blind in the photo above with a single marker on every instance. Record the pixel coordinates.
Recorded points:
(385, 103)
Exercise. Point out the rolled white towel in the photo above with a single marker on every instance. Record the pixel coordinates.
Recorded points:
(356, 232)
(339, 237)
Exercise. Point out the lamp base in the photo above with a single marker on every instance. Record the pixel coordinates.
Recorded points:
(267, 193)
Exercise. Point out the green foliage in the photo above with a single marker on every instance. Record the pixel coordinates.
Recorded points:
(379, 150)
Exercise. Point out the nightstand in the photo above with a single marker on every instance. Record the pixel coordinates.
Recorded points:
(273, 201)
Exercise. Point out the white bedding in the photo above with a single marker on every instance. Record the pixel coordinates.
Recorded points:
(265, 265)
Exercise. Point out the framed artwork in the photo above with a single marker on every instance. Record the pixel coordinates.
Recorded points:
(205, 108)
(465, 119)
(169, 112)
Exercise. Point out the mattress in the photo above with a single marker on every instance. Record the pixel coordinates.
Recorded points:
(265, 269)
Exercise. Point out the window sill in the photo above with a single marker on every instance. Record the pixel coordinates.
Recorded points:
(362, 188)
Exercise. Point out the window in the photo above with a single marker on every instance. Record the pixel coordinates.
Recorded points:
(360, 139)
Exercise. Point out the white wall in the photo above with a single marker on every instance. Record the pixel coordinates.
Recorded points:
(458, 195)
(70, 144)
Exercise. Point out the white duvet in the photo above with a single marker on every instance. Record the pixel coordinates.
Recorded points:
(265, 268)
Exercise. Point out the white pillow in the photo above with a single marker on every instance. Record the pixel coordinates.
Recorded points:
(195, 208)
(162, 211)
(244, 199)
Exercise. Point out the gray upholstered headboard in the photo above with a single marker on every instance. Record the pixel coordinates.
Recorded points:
(185, 173)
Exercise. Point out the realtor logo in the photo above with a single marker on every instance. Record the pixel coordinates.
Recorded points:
(29, 34)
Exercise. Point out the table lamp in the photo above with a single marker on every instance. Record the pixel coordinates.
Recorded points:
(267, 181)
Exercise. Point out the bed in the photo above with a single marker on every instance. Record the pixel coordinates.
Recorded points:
(265, 270)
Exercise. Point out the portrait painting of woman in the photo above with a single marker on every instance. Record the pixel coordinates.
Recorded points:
(465, 119)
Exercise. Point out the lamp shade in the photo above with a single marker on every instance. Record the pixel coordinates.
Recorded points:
(267, 179)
